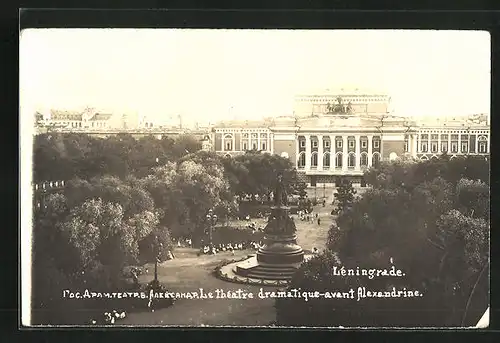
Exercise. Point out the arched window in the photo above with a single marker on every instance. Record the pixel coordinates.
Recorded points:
(338, 160)
(482, 144)
(351, 160)
(326, 159)
(424, 158)
(363, 160)
(301, 161)
(376, 159)
(314, 159)
(228, 142)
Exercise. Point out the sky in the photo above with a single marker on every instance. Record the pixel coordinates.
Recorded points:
(211, 75)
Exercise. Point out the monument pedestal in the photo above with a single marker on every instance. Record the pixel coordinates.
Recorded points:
(280, 256)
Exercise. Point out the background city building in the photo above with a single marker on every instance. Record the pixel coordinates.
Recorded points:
(87, 119)
(342, 133)
(331, 135)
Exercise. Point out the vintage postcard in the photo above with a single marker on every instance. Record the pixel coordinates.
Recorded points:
(249, 178)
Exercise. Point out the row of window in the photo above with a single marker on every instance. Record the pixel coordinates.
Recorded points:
(254, 135)
(445, 137)
(229, 134)
(339, 144)
(351, 160)
(346, 98)
(346, 101)
(245, 136)
(482, 146)
(245, 146)
(444, 147)
(465, 132)
(454, 138)
(79, 124)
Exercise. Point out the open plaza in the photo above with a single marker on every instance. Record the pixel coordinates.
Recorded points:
(189, 272)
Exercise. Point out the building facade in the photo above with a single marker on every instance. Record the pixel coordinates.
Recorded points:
(87, 120)
(343, 136)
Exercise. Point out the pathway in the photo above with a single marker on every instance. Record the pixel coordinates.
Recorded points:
(188, 273)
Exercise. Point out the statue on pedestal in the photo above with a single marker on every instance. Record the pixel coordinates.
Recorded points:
(280, 221)
(280, 255)
(280, 196)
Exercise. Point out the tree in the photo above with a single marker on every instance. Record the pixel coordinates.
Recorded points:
(345, 196)
(473, 197)
(129, 194)
(300, 190)
(420, 219)
(186, 191)
(51, 161)
(64, 156)
(395, 173)
(237, 175)
(262, 170)
(184, 145)
(145, 154)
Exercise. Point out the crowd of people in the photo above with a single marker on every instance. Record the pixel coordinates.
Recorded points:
(309, 216)
(187, 242)
(253, 226)
(229, 247)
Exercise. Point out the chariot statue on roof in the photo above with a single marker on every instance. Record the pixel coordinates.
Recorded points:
(339, 107)
(349, 108)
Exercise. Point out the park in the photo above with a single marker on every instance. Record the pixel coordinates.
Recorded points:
(133, 214)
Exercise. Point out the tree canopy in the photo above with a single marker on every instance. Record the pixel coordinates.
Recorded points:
(122, 195)
(429, 219)
(62, 156)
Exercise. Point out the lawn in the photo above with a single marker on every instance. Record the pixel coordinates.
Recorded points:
(189, 272)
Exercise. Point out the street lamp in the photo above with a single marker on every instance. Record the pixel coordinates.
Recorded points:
(157, 246)
(211, 220)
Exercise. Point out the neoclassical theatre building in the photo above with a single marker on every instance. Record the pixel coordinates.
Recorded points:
(340, 134)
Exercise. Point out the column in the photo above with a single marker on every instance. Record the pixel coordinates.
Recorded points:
(357, 151)
(459, 148)
(468, 142)
(320, 152)
(370, 151)
(297, 151)
(429, 142)
(332, 152)
(271, 143)
(414, 146)
(439, 143)
(234, 141)
(381, 146)
(419, 142)
(223, 143)
(449, 142)
(344, 153)
(259, 147)
(477, 144)
(308, 152)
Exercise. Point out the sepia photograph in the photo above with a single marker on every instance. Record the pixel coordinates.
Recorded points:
(255, 178)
